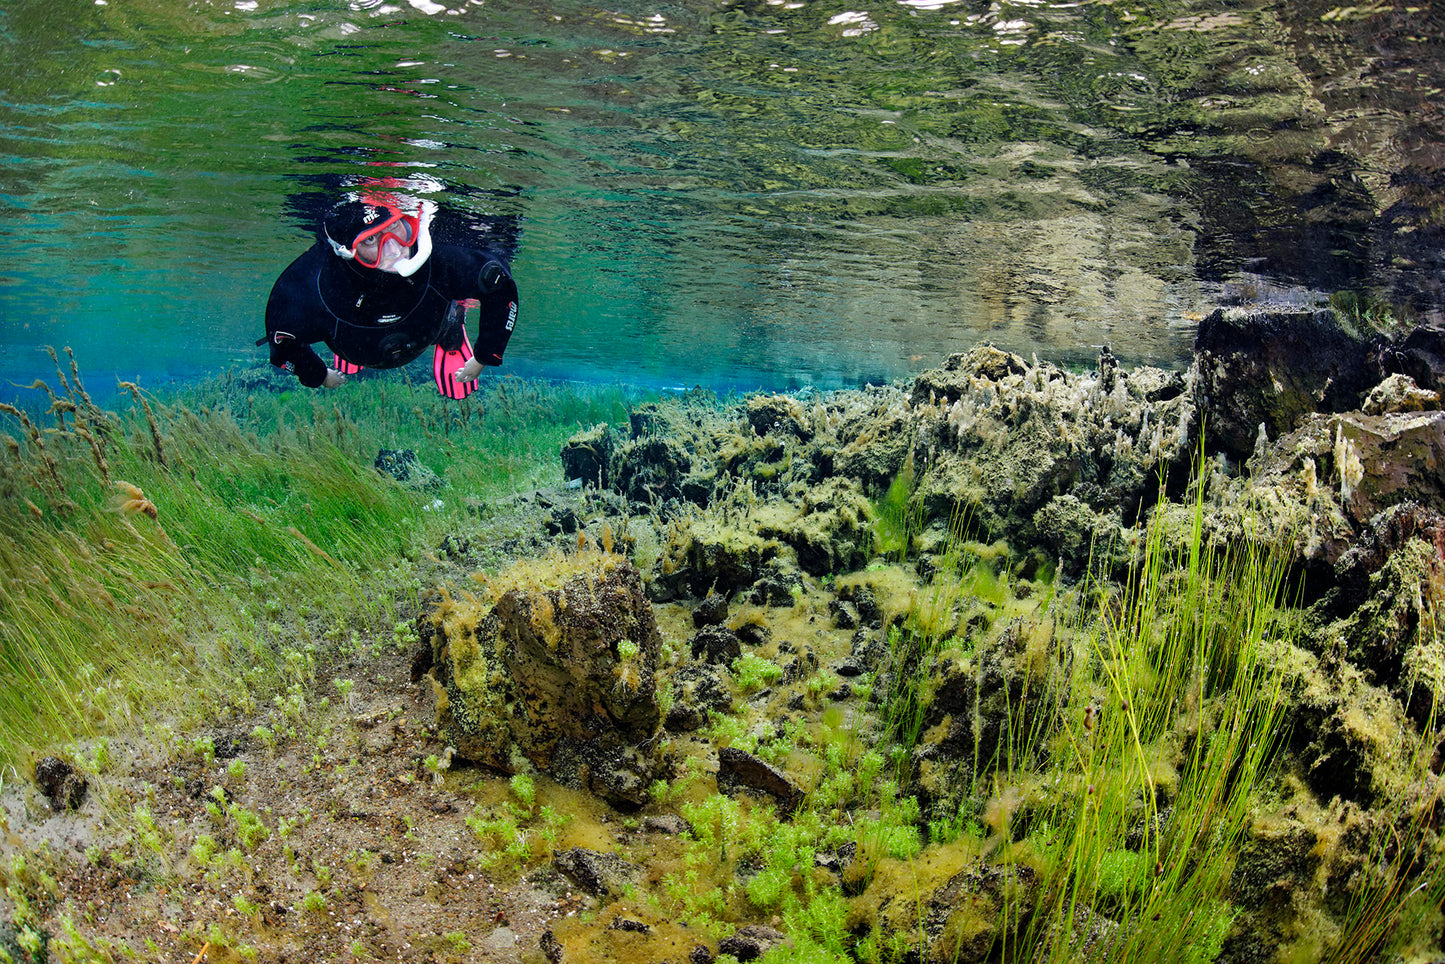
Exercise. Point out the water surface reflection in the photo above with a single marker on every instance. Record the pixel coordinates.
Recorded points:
(756, 193)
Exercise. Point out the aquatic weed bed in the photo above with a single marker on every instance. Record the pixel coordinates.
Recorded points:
(974, 758)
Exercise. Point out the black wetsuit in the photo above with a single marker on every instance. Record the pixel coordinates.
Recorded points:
(377, 319)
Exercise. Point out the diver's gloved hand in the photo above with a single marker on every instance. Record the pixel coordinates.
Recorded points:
(469, 371)
(334, 379)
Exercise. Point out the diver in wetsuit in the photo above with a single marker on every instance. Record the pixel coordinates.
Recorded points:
(375, 290)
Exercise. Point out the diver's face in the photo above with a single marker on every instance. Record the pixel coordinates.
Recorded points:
(386, 244)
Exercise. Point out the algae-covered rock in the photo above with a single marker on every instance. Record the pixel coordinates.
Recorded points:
(1398, 394)
(1008, 685)
(742, 772)
(1349, 738)
(778, 414)
(955, 920)
(63, 785)
(406, 468)
(1278, 861)
(1394, 636)
(1421, 355)
(873, 444)
(713, 556)
(587, 456)
(963, 372)
(828, 527)
(560, 672)
(599, 874)
(1076, 534)
(752, 942)
(651, 469)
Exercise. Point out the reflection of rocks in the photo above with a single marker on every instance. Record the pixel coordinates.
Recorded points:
(560, 671)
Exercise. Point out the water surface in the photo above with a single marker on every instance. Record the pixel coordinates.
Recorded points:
(761, 193)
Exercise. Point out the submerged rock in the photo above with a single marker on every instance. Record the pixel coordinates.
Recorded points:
(599, 874)
(979, 704)
(560, 672)
(958, 920)
(1397, 394)
(587, 456)
(740, 771)
(403, 465)
(1275, 368)
(752, 942)
(63, 785)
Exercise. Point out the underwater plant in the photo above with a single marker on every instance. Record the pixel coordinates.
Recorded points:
(144, 551)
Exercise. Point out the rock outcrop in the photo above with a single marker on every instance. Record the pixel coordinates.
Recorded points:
(558, 672)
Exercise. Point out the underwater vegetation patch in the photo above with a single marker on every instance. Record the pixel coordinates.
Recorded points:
(151, 553)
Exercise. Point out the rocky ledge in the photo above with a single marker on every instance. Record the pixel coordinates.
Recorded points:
(1291, 438)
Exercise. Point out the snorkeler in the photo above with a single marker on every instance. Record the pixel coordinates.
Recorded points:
(375, 290)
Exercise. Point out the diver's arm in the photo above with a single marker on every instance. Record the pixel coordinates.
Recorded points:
(290, 325)
(498, 312)
(469, 273)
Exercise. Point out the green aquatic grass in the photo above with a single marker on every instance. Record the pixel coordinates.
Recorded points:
(1174, 721)
(1129, 769)
(155, 555)
(897, 515)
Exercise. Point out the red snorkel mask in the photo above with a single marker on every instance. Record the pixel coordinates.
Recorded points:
(370, 246)
(381, 235)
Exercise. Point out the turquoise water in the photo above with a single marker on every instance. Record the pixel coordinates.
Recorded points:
(764, 193)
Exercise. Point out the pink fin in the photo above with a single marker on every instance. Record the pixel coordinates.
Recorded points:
(446, 364)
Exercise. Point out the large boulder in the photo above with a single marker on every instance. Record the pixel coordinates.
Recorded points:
(558, 671)
(1274, 368)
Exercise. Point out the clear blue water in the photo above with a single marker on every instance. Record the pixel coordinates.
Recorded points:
(762, 193)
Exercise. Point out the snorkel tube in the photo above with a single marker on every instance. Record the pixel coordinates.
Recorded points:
(408, 267)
